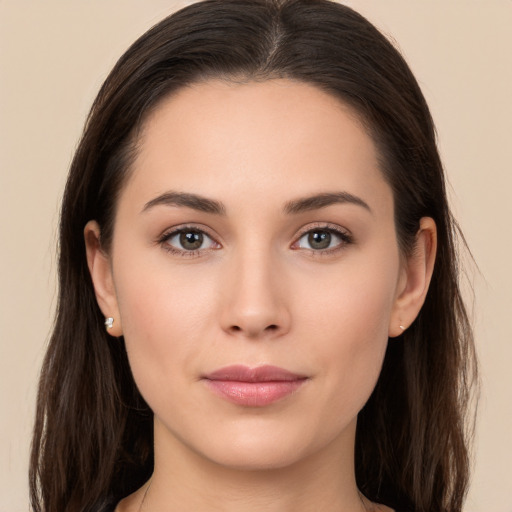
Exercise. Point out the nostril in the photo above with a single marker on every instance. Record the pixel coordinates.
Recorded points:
(269, 328)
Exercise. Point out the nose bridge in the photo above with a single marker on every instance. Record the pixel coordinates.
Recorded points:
(254, 302)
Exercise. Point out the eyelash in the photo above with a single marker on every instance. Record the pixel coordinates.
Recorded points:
(164, 241)
(345, 237)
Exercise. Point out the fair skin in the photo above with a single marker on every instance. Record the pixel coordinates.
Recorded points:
(259, 277)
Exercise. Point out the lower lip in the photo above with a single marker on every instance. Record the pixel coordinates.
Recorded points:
(254, 394)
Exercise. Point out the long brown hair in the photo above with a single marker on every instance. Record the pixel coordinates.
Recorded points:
(93, 432)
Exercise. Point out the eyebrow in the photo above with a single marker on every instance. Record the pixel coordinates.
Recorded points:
(323, 200)
(187, 200)
(294, 207)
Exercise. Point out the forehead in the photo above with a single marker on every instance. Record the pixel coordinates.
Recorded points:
(279, 137)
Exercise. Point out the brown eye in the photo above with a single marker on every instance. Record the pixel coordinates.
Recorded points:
(191, 240)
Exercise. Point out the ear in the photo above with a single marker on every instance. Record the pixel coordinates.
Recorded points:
(101, 274)
(415, 278)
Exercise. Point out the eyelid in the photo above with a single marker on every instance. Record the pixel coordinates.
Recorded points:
(175, 230)
(343, 233)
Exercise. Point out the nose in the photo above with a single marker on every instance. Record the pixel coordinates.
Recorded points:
(254, 298)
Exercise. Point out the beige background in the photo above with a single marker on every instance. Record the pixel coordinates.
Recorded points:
(54, 56)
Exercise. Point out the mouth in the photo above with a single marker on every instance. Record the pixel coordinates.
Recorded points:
(253, 387)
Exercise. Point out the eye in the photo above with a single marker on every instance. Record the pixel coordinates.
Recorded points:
(188, 240)
(323, 239)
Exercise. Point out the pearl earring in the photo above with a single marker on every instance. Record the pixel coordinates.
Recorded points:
(109, 322)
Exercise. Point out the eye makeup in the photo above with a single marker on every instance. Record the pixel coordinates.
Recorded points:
(188, 241)
(193, 241)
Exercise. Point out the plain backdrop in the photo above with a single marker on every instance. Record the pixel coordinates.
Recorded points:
(55, 54)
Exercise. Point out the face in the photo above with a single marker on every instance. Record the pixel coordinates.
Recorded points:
(254, 271)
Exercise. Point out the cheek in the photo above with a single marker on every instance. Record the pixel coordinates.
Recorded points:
(164, 313)
(353, 301)
(349, 323)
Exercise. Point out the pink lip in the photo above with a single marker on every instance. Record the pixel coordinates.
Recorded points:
(253, 387)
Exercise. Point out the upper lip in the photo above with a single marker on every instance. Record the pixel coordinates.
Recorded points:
(265, 373)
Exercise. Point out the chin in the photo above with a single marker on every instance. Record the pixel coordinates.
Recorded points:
(260, 448)
(256, 456)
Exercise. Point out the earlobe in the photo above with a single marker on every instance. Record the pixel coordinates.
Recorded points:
(101, 274)
(415, 279)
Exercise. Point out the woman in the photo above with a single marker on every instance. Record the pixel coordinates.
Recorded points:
(259, 306)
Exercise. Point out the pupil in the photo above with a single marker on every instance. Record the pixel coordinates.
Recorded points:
(319, 239)
(191, 240)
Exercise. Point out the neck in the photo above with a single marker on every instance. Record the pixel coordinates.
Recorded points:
(186, 481)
